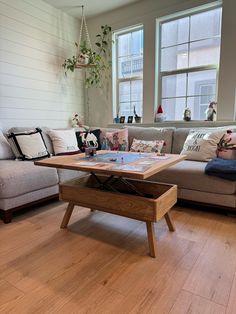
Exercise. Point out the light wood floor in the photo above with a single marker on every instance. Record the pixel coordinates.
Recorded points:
(100, 265)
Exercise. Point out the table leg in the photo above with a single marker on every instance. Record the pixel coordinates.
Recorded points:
(151, 238)
(67, 215)
(169, 222)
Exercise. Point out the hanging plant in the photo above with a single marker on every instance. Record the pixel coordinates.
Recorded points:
(96, 62)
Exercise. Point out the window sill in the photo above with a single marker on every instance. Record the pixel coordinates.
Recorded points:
(181, 124)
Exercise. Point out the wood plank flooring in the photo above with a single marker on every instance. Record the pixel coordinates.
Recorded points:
(101, 264)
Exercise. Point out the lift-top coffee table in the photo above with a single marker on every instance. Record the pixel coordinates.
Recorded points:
(116, 183)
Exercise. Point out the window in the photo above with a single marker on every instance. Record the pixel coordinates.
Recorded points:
(128, 73)
(189, 59)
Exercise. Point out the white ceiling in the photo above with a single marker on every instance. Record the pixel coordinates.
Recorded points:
(92, 7)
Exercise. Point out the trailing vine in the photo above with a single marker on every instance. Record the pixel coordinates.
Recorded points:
(97, 63)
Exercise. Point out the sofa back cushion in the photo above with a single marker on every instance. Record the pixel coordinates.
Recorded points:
(179, 137)
(152, 134)
(5, 148)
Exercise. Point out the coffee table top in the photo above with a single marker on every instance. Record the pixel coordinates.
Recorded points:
(126, 164)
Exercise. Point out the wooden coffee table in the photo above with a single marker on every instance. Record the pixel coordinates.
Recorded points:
(116, 183)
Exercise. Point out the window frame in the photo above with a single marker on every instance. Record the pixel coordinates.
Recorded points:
(160, 74)
(115, 65)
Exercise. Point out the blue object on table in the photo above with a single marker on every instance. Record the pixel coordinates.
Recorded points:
(222, 168)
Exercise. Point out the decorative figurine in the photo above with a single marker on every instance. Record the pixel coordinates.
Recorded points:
(187, 114)
(211, 111)
(159, 114)
(76, 121)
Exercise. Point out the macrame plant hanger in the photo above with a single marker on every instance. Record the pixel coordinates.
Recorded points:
(84, 28)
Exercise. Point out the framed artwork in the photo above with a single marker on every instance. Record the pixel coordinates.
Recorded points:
(130, 119)
(122, 119)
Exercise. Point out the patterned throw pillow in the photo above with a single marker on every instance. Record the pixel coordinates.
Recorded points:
(147, 146)
(201, 145)
(116, 140)
(28, 145)
(88, 138)
(226, 148)
(64, 142)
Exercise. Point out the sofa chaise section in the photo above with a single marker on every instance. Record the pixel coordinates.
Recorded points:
(23, 183)
(194, 185)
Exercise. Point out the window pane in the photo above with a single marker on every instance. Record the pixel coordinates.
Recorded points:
(125, 110)
(205, 25)
(175, 32)
(201, 78)
(124, 67)
(123, 45)
(204, 52)
(137, 90)
(137, 66)
(130, 95)
(174, 85)
(197, 108)
(137, 43)
(130, 67)
(124, 92)
(173, 108)
(174, 58)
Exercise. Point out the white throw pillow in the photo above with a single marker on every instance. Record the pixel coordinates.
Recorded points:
(64, 141)
(201, 145)
(28, 145)
(5, 148)
(146, 146)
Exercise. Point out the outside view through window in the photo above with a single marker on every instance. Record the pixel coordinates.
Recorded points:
(189, 59)
(130, 72)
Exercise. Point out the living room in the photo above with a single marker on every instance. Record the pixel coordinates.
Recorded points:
(152, 83)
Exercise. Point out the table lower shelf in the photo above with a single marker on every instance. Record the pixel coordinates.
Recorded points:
(151, 208)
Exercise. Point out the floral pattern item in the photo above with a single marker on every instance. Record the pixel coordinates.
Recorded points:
(226, 148)
(117, 140)
(147, 146)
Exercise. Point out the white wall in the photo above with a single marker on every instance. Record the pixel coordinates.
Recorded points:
(35, 38)
(146, 12)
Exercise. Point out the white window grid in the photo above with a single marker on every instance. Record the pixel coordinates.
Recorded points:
(187, 70)
(116, 79)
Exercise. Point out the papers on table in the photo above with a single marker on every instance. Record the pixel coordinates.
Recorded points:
(135, 168)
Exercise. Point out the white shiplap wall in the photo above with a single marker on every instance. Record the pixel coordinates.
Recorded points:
(35, 38)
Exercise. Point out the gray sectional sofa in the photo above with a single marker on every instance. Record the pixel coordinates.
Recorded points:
(22, 183)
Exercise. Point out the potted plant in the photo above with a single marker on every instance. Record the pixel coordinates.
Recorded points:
(137, 118)
(117, 118)
(96, 62)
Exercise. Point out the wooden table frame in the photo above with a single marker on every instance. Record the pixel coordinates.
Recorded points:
(152, 241)
(148, 210)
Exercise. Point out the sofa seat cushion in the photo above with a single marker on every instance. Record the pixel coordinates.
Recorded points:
(190, 175)
(20, 177)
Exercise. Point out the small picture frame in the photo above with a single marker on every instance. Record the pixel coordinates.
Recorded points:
(122, 119)
(130, 119)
